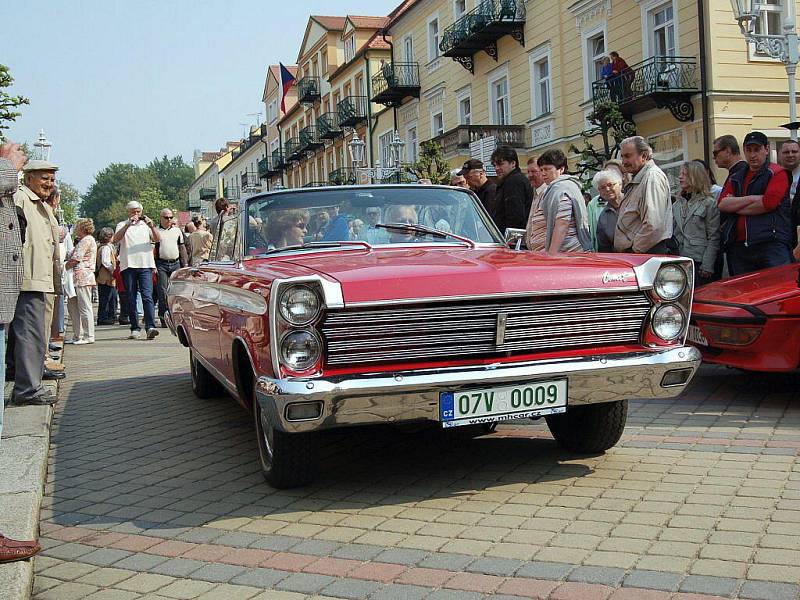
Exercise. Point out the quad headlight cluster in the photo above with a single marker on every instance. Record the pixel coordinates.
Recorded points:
(300, 346)
(669, 319)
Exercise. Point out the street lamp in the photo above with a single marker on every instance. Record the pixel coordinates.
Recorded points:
(43, 146)
(783, 47)
(357, 148)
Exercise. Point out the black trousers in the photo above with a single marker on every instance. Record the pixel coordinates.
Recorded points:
(27, 345)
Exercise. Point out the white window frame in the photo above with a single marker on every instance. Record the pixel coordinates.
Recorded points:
(495, 76)
(536, 56)
(384, 149)
(434, 129)
(457, 14)
(350, 48)
(649, 7)
(587, 35)
(433, 45)
(412, 143)
(323, 63)
(273, 111)
(461, 95)
(408, 44)
(754, 56)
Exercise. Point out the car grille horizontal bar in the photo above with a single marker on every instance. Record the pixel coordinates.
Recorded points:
(470, 329)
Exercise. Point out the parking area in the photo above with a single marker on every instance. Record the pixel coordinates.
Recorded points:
(152, 493)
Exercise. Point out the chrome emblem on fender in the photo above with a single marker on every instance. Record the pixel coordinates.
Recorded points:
(610, 277)
(500, 332)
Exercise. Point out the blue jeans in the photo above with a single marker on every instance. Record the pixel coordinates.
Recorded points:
(107, 303)
(746, 259)
(2, 371)
(140, 281)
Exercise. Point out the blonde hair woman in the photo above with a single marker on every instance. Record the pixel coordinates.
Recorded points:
(696, 221)
(82, 262)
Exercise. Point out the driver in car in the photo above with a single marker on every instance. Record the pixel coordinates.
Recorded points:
(401, 213)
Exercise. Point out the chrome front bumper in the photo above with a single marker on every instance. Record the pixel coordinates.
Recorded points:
(414, 395)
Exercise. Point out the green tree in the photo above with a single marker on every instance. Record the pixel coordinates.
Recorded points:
(8, 103)
(174, 178)
(431, 164)
(115, 186)
(612, 127)
(153, 200)
(70, 200)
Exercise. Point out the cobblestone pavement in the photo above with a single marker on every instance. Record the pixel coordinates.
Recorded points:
(152, 493)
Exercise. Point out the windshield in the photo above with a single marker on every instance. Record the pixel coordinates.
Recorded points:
(288, 220)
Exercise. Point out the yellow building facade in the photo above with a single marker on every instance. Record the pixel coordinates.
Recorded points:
(471, 75)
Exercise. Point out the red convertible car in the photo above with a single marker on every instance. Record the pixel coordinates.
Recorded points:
(751, 321)
(328, 307)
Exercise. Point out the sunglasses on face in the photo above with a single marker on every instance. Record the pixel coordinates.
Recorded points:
(301, 225)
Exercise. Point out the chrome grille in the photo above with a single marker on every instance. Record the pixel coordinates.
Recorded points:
(470, 329)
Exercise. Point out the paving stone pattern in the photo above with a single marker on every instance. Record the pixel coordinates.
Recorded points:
(152, 493)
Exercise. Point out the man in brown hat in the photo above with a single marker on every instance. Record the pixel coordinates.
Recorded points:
(40, 258)
(12, 160)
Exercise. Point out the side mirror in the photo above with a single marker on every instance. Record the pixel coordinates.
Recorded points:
(514, 238)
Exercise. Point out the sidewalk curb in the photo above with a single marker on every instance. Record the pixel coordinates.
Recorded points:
(23, 469)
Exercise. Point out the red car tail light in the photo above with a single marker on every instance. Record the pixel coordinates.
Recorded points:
(730, 335)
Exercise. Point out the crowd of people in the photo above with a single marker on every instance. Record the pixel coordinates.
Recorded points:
(747, 224)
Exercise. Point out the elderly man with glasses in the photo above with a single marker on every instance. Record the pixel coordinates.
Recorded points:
(171, 255)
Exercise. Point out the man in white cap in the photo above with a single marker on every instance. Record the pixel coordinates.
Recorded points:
(136, 237)
(28, 339)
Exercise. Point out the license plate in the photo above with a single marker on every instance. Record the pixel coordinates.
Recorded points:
(695, 335)
(485, 405)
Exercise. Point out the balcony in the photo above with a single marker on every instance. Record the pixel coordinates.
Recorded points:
(208, 194)
(395, 82)
(277, 163)
(193, 204)
(328, 126)
(310, 140)
(291, 150)
(352, 110)
(264, 168)
(480, 28)
(343, 176)
(660, 82)
(459, 139)
(231, 192)
(404, 175)
(311, 184)
(308, 90)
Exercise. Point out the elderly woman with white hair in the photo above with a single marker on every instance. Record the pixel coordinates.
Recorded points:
(136, 236)
(608, 183)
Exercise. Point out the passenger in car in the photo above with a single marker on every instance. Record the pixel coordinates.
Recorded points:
(287, 228)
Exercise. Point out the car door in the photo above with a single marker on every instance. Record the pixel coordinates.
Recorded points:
(207, 290)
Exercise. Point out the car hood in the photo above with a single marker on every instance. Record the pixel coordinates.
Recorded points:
(410, 273)
(761, 288)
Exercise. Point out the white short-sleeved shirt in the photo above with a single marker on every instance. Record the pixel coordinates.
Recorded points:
(136, 247)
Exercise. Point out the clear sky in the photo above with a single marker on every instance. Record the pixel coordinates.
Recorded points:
(129, 80)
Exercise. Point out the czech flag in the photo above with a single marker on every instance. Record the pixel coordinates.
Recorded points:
(287, 81)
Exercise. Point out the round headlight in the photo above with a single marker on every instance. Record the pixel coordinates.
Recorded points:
(300, 350)
(670, 282)
(668, 322)
(299, 305)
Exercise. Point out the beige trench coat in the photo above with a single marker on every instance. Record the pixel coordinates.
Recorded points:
(40, 252)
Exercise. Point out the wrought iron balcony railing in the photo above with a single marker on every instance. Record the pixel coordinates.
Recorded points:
(352, 111)
(277, 162)
(208, 194)
(328, 126)
(404, 175)
(264, 168)
(666, 81)
(308, 90)
(480, 28)
(459, 138)
(394, 82)
(232, 192)
(291, 149)
(309, 139)
(343, 176)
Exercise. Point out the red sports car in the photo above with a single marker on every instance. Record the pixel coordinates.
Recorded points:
(751, 322)
(328, 307)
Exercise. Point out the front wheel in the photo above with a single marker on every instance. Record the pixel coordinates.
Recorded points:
(204, 384)
(287, 459)
(591, 428)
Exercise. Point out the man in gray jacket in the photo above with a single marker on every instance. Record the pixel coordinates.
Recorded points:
(12, 160)
(644, 222)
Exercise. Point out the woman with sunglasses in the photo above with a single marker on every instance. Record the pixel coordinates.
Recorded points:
(287, 228)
